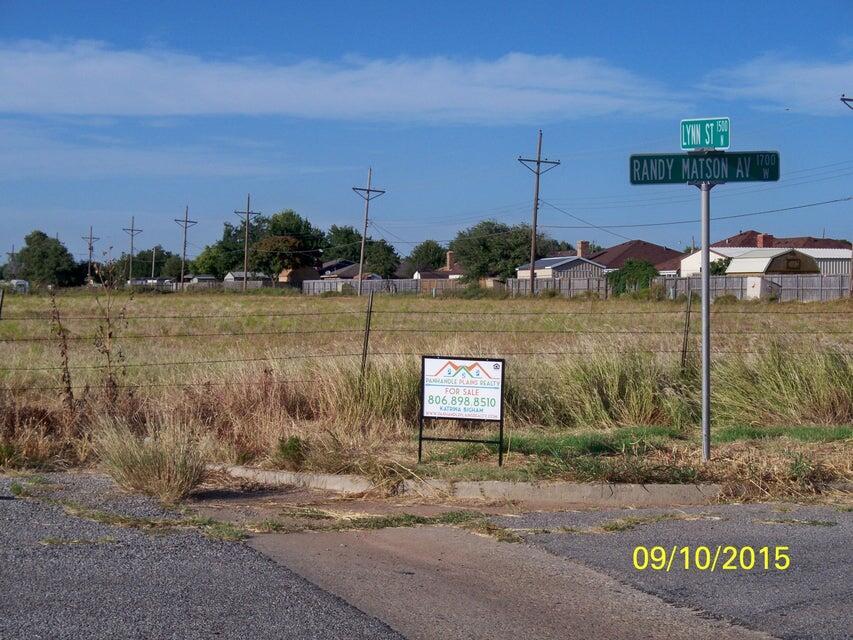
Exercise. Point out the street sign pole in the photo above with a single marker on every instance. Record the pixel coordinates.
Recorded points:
(705, 209)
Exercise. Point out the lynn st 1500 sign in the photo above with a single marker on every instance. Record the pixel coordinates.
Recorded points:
(684, 168)
(705, 133)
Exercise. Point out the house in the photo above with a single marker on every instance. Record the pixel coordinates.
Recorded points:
(451, 268)
(348, 272)
(615, 257)
(562, 267)
(334, 265)
(295, 277)
(760, 240)
(203, 277)
(759, 262)
(252, 276)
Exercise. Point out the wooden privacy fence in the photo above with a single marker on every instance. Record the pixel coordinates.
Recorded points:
(566, 287)
(784, 288)
(400, 285)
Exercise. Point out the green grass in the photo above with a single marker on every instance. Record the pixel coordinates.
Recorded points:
(818, 433)
(632, 522)
(807, 523)
(621, 440)
(55, 541)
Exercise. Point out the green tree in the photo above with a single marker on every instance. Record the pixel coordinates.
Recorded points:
(380, 258)
(492, 248)
(45, 260)
(342, 243)
(274, 253)
(429, 255)
(633, 276)
(718, 267)
(171, 267)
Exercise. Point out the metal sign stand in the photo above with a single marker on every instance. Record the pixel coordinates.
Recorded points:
(705, 207)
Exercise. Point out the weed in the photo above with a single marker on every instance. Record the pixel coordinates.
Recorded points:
(18, 490)
(54, 541)
(808, 523)
(488, 528)
(290, 453)
(167, 463)
(632, 522)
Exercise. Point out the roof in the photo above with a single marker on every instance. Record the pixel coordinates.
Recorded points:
(817, 254)
(673, 264)
(554, 262)
(750, 239)
(433, 275)
(348, 271)
(616, 257)
(758, 260)
(336, 264)
(455, 270)
(251, 275)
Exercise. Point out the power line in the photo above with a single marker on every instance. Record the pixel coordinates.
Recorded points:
(248, 213)
(132, 232)
(367, 193)
(185, 224)
(537, 172)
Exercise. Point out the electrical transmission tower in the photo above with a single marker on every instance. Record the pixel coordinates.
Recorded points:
(535, 165)
(90, 241)
(132, 232)
(368, 194)
(185, 224)
(248, 213)
(13, 262)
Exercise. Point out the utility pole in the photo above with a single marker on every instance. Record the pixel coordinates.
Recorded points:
(248, 213)
(153, 257)
(368, 194)
(848, 102)
(186, 223)
(132, 232)
(538, 171)
(90, 240)
(13, 262)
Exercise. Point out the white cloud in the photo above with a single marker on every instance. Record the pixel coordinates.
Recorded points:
(811, 87)
(90, 78)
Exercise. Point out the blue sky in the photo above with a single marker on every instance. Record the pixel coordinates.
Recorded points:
(114, 109)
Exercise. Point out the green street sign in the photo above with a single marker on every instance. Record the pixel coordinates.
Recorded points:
(719, 166)
(705, 133)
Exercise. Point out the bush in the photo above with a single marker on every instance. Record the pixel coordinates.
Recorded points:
(290, 453)
(166, 462)
(726, 299)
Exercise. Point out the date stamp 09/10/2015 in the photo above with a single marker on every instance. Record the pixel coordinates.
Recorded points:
(711, 558)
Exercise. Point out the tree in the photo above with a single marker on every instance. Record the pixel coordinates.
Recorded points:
(226, 254)
(718, 267)
(634, 275)
(45, 260)
(342, 243)
(273, 254)
(380, 258)
(172, 267)
(429, 255)
(492, 248)
(289, 223)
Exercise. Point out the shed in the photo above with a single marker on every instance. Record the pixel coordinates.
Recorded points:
(766, 261)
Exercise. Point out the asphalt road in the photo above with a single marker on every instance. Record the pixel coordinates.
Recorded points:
(66, 577)
(811, 599)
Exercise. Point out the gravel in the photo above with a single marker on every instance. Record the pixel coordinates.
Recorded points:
(63, 576)
(812, 599)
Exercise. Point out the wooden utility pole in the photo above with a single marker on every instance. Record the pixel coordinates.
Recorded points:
(537, 171)
(248, 213)
(186, 223)
(90, 240)
(368, 194)
(153, 258)
(132, 232)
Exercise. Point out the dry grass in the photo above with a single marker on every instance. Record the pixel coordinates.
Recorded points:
(247, 412)
(165, 462)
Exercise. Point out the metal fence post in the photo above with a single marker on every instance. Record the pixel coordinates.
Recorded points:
(2, 295)
(685, 339)
(366, 342)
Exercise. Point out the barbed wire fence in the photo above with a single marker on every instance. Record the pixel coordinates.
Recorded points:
(416, 322)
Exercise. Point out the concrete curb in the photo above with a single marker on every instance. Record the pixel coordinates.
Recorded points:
(328, 482)
(544, 493)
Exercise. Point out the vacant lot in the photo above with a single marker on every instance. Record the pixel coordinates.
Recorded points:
(276, 379)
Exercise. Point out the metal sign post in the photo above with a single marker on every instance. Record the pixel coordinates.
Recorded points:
(705, 166)
(462, 389)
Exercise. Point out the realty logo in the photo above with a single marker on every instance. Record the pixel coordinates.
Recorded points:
(451, 370)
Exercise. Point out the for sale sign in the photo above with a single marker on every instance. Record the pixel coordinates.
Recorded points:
(462, 388)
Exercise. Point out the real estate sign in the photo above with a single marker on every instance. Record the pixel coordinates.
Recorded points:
(461, 388)
(705, 133)
(718, 167)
